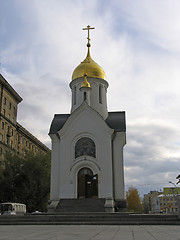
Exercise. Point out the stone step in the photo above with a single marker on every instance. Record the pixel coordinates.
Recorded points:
(81, 205)
(90, 218)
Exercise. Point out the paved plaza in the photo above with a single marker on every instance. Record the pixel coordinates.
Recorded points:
(89, 232)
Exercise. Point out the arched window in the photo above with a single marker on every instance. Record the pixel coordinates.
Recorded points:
(85, 146)
(84, 96)
(100, 93)
(74, 97)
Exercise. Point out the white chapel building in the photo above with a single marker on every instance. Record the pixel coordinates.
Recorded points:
(87, 146)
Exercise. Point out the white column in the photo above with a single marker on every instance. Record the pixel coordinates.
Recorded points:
(54, 194)
(118, 165)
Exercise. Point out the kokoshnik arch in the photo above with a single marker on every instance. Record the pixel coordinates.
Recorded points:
(87, 144)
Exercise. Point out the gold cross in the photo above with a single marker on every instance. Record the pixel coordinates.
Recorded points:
(88, 28)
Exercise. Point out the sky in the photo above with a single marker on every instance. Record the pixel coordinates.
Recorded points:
(136, 42)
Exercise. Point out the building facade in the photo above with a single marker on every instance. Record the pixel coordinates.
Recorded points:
(162, 202)
(14, 137)
(87, 144)
(151, 202)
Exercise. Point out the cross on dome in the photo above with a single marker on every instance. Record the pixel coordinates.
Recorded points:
(88, 28)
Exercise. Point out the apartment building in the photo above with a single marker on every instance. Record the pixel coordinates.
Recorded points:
(13, 136)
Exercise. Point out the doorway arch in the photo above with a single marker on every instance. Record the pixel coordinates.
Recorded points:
(87, 183)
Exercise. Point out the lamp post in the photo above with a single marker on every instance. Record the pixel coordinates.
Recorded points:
(177, 199)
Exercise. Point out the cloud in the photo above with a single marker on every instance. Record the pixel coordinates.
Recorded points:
(151, 156)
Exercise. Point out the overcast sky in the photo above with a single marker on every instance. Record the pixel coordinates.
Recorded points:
(136, 42)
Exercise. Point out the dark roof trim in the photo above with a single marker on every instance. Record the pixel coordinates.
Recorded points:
(58, 122)
(115, 120)
(10, 89)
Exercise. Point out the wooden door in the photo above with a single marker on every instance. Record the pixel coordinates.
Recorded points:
(87, 184)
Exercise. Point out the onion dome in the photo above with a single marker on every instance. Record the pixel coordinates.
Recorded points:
(88, 67)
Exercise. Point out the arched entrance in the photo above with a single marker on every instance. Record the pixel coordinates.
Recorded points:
(87, 184)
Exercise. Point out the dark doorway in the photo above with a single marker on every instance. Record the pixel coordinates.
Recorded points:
(87, 184)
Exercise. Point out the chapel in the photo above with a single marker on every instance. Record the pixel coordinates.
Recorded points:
(87, 169)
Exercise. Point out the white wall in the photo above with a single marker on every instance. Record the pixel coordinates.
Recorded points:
(83, 122)
(101, 108)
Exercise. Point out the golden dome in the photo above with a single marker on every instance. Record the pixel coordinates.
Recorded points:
(85, 83)
(88, 67)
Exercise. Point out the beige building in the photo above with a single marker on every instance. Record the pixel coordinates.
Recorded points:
(162, 202)
(14, 137)
(168, 203)
(150, 202)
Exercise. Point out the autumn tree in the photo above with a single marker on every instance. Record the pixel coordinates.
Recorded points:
(26, 180)
(133, 200)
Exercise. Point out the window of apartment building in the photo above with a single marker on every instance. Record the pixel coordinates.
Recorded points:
(2, 126)
(5, 101)
(14, 110)
(19, 139)
(7, 140)
(11, 143)
(0, 151)
(10, 105)
(9, 116)
(4, 112)
(26, 143)
(13, 120)
(12, 132)
(1, 137)
(8, 130)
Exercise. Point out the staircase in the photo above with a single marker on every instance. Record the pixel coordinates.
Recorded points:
(88, 218)
(81, 205)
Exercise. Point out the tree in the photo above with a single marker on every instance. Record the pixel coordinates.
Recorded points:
(26, 180)
(133, 200)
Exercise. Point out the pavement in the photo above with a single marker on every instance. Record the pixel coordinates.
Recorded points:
(89, 232)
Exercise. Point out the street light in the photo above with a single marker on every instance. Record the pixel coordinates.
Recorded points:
(178, 177)
(173, 183)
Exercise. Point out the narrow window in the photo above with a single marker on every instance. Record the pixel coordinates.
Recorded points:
(1, 137)
(0, 151)
(14, 111)
(100, 94)
(4, 101)
(74, 100)
(85, 96)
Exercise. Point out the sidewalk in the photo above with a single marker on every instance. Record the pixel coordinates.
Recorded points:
(62, 232)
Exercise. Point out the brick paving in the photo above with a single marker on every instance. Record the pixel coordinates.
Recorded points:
(89, 232)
